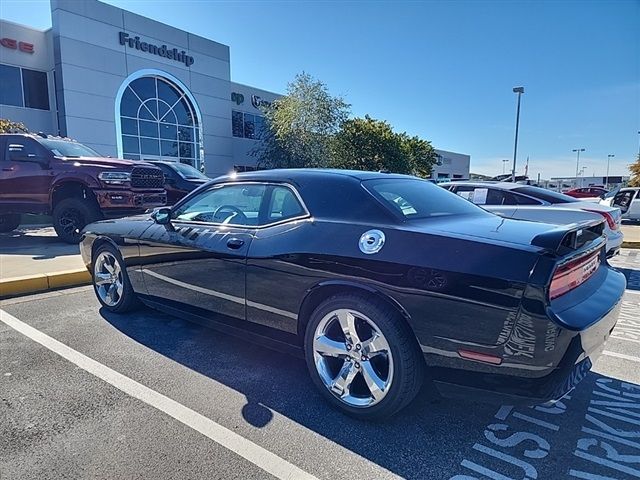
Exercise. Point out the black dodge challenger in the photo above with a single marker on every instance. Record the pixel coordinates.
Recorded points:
(380, 280)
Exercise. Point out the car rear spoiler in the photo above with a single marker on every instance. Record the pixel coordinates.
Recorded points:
(567, 238)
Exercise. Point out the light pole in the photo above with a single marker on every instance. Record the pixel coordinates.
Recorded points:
(519, 91)
(578, 150)
(504, 165)
(609, 157)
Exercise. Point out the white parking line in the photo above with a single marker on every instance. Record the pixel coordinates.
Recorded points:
(260, 457)
(621, 355)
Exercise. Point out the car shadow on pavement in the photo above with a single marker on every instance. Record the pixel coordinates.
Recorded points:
(432, 438)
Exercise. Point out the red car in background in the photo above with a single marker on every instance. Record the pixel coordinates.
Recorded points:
(587, 192)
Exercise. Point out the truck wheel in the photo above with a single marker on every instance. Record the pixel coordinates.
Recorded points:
(9, 222)
(71, 215)
(363, 357)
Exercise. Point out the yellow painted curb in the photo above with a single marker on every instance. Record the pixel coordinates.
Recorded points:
(69, 278)
(11, 287)
(630, 245)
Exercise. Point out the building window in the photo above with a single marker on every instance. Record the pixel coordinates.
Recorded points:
(246, 125)
(22, 87)
(36, 93)
(158, 121)
(237, 124)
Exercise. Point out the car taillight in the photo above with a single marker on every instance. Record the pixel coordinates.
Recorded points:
(569, 276)
(608, 217)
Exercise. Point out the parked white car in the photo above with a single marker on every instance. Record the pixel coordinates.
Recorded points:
(526, 202)
(627, 200)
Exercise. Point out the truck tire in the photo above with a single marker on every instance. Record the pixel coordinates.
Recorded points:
(9, 222)
(71, 215)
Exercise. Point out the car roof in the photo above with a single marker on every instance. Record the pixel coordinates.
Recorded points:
(296, 175)
(493, 184)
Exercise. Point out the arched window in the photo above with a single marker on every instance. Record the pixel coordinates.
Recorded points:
(158, 121)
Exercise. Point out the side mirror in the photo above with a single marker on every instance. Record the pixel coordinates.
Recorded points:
(162, 216)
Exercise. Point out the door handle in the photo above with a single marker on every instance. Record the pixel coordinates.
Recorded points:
(7, 169)
(235, 243)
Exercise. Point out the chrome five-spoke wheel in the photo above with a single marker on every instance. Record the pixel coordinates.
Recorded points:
(352, 358)
(108, 278)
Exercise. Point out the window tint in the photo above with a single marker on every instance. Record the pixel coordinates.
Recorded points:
(36, 92)
(521, 200)
(546, 195)
(18, 149)
(284, 204)
(11, 91)
(227, 204)
(417, 199)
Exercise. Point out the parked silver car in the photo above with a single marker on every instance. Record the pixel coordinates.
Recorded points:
(526, 202)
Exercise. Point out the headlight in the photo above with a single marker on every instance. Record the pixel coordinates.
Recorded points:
(115, 178)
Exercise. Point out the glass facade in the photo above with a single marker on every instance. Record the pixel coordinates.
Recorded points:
(22, 87)
(246, 125)
(157, 120)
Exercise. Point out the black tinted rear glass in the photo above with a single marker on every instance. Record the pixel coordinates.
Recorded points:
(416, 199)
(546, 195)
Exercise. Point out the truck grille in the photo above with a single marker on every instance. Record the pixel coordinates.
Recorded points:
(147, 177)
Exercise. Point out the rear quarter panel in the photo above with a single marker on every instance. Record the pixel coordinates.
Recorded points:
(450, 288)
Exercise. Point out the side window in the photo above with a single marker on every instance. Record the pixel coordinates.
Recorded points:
(517, 199)
(480, 195)
(283, 205)
(237, 204)
(20, 148)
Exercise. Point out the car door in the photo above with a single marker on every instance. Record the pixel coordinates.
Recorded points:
(275, 284)
(198, 261)
(623, 200)
(634, 206)
(25, 177)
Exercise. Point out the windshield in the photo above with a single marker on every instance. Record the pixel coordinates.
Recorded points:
(65, 148)
(188, 172)
(546, 195)
(417, 199)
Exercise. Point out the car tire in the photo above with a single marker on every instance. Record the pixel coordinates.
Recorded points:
(396, 371)
(9, 222)
(111, 282)
(71, 215)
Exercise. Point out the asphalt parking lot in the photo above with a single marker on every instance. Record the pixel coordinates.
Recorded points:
(89, 394)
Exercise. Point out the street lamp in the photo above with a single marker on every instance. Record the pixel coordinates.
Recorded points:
(504, 165)
(519, 91)
(578, 150)
(609, 157)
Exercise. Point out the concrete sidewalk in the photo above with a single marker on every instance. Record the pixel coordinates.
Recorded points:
(32, 259)
(631, 234)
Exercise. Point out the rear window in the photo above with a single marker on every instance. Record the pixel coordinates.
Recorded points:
(416, 199)
(546, 195)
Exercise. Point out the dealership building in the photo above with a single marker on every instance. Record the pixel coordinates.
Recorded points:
(131, 87)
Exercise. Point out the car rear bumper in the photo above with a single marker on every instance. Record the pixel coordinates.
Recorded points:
(116, 202)
(614, 242)
(556, 366)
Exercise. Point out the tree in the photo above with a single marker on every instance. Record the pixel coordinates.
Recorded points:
(635, 173)
(299, 127)
(8, 126)
(370, 144)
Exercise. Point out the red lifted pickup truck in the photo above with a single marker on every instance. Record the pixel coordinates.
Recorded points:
(57, 176)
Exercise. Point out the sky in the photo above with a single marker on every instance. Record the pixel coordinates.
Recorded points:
(441, 70)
